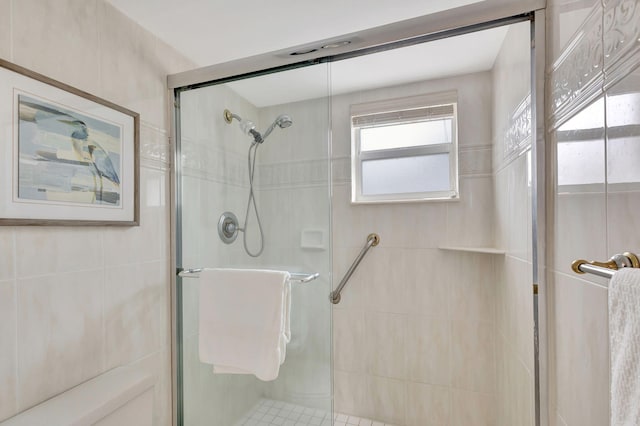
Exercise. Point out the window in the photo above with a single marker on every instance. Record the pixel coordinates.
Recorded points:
(405, 149)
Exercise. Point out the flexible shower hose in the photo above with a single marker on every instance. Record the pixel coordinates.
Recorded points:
(252, 199)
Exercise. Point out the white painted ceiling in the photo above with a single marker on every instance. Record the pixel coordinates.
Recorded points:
(448, 57)
(214, 31)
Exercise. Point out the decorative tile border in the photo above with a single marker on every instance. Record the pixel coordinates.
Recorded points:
(577, 77)
(155, 149)
(202, 161)
(621, 39)
(341, 170)
(604, 51)
(293, 174)
(517, 136)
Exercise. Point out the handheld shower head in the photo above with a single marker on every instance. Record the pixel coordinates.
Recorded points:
(283, 121)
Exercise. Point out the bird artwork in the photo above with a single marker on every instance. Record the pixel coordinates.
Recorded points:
(66, 156)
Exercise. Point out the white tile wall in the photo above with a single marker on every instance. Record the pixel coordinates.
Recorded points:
(77, 301)
(578, 349)
(60, 340)
(414, 326)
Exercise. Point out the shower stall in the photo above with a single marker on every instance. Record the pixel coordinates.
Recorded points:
(440, 323)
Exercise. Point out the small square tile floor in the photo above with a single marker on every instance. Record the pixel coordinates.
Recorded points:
(268, 412)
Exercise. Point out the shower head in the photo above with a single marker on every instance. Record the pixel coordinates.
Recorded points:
(283, 121)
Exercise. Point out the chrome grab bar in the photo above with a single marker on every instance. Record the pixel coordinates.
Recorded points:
(606, 269)
(295, 276)
(372, 241)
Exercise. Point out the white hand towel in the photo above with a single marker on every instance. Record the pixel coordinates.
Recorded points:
(244, 320)
(624, 335)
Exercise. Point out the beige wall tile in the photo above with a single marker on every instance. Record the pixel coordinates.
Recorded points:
(5, 30)
(515, 396)
(60, 334)
(64, 45)
(352, 223)
(424, 225)
(134, 311)
(470, 220)
(349, 350)
(123, 246)
(591, 209)
(428, 405)
(428, 274)
(7, 248)
(387, 289)
(519, 200)
(129, 69)
(475, 161)
(154, 202)
(474, 409)
(157, 365)
(581, 356)
(428, 344)
(60, 271)
(388, 399)
(58, 250)
(352, 394)
(8, 406)
(473, 356)
(385, 345)
(473, 287)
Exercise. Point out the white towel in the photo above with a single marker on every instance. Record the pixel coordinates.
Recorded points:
(624, 335)
(244, 321)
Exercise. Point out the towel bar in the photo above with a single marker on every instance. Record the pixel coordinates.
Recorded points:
(295, 276)
(606, 269)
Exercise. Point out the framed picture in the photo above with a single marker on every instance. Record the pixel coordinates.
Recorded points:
(67, 157)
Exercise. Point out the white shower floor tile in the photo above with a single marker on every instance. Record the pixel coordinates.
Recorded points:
(268, 412)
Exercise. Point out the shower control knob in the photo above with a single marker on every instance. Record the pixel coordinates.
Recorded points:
(228, 227)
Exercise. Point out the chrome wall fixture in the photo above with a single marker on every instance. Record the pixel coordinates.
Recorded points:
(372, 241)
(228, 226)
(606, 269)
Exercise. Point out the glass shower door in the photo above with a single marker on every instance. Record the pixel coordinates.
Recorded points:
(275, 148)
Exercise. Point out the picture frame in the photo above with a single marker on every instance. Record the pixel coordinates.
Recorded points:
(67, 157)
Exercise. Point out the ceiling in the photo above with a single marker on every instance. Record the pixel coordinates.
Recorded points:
(426, 61)
(214, 31)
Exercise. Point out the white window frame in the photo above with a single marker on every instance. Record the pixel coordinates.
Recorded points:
(404, 104)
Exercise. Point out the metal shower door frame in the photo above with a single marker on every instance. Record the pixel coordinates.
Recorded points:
(532, 11)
